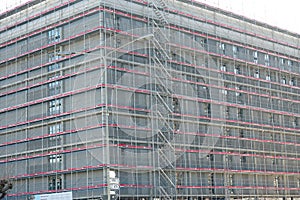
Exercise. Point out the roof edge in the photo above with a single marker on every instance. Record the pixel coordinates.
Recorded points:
(19, 8)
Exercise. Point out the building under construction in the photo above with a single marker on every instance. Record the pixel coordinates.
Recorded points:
(147, 99)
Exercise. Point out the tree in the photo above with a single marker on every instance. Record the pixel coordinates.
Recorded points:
(4, 187)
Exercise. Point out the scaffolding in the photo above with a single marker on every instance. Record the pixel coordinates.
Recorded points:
(147, 99)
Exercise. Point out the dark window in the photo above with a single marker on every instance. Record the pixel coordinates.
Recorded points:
(55, 182)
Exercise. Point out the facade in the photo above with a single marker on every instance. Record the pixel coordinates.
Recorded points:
(147, 99)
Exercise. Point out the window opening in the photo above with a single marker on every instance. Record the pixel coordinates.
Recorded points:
(256, 73)
(267, 60)
(54, 35)
(255, 57)
(55, 182)
(55, 106)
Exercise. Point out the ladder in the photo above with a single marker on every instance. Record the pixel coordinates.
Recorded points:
(163, 96)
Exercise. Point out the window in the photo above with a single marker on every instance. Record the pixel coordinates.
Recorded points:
(55, 106)
(118, 43)
(114, 21)
(271, 118)
(256, 73)
(211, 182)
(224, 90)
(55, 128)
(267, 60)
(240, 113)
(53, 67)
(55, 182)
(175, 105)
(283, 80)
(227, 131)
(55, 158)
(230, 183)
(294, 122)
(290, 63)
(140, 100)
(179, 178)
(235, 51)
(210, 178)
(210, 157)
(53, 57)
(228, 158)
(176, 126)
(222, 48)
(292, 82)
(237, 70)
(206, 109)
(243, 159)
(55, 86)
(55, 161)
(227, 112)
(268, 77)
(272, 137)
(230, 180)
(255, 56)
(237, 93)
(109, 20)
(54, 35)
(223, 68)
(282, 61)
(140, 121)
(276, 181)
(199, 39)
(202, 41)
(241, 133)
(117, 22)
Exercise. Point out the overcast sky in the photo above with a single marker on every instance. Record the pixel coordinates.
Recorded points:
(283, 14)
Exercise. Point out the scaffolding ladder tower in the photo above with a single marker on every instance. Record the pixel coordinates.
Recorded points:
(166, 153)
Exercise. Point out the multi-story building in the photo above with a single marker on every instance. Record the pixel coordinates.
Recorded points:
(144, 99)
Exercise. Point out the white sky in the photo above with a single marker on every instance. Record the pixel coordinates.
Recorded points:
(283, 14)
